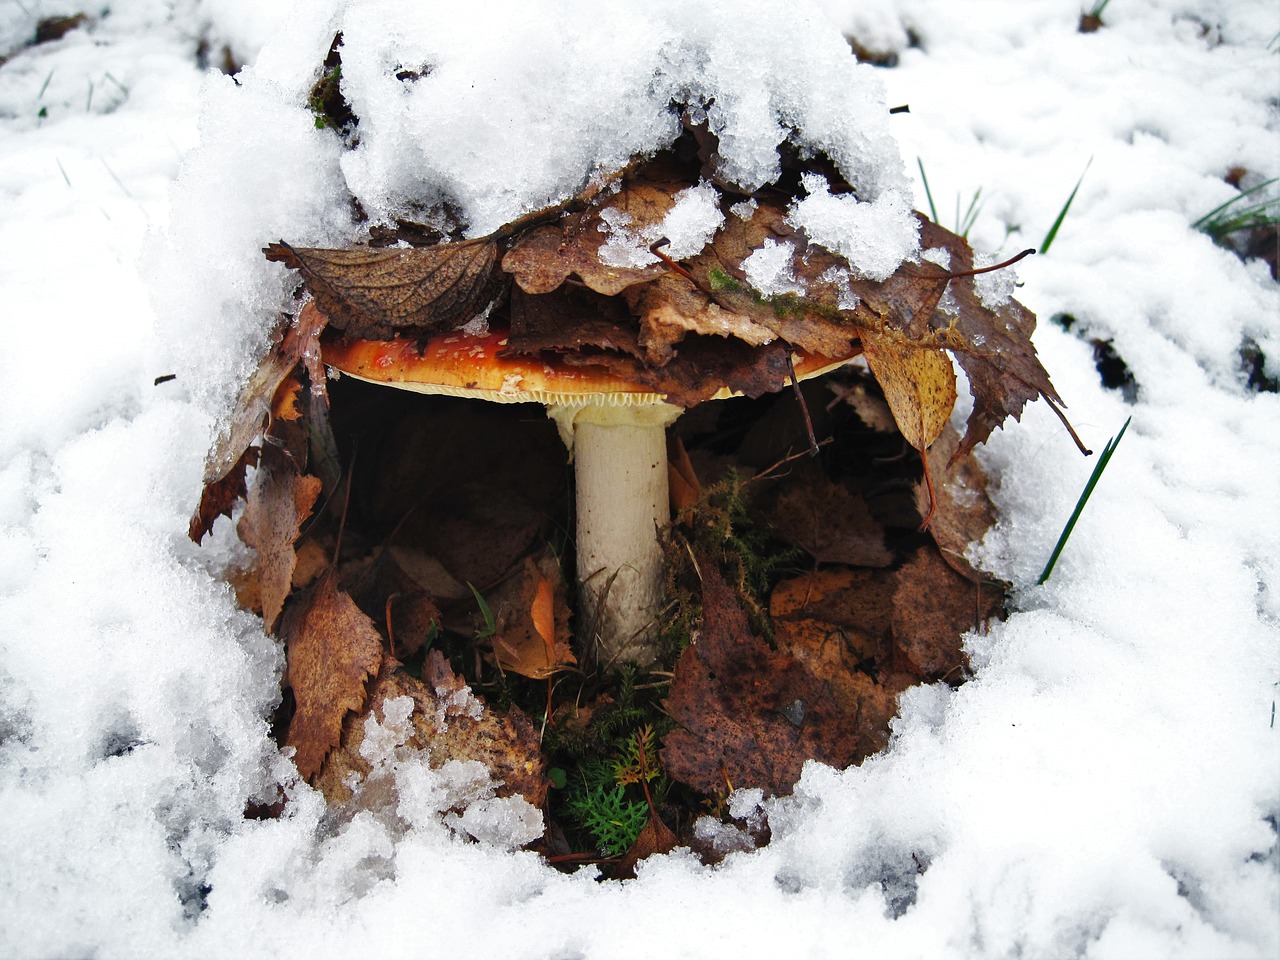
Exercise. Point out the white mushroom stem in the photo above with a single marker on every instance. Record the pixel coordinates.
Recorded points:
(620, 465)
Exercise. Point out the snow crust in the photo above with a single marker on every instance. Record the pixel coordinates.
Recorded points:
(1106, 786)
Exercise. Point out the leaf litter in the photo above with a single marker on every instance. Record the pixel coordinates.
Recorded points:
(802, 599)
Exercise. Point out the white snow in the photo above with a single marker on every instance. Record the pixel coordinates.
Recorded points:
(1106, 786)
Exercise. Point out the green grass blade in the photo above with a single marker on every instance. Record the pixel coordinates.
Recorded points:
(1062, 215)
(933, 211)
(490, 625)
(1103, 459)
(1222, 219)
(1098, 7)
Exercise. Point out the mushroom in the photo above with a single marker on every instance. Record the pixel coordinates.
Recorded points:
(616, 434)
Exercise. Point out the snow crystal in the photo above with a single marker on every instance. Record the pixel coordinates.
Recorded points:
(688, 226)
(995, 289)
(939, 255)
(769, 269)
(743, 209)
(875, 236)
(840, 278)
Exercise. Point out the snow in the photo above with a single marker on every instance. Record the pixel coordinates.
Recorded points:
(1106, 786)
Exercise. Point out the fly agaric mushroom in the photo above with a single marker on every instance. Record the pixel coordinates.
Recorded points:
(615, 431)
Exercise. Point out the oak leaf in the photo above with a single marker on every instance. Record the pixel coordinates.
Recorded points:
(333, 650)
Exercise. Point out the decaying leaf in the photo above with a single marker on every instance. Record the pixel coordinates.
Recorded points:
(829, 522)
(933, 607)
(372, 293)
(220, 496)
(532, 616)
(656, 837)
(549, 255)
(275, 509)
(749, 716)
(333, 650)
(297, 342)
(964, 512)
(448, 723)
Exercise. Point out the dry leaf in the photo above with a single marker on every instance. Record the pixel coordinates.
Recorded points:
(828, 522)
(532, 616)
(919, 385)
(219, 497)
(656, 837)
(298, 342)
(933, 607)
(547, 256)
(747, 716)
(275, 509)
(448, 723)
(964, 512)
(333, 650)
(373, 293)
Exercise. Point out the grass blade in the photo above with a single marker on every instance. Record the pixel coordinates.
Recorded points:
(1223, 219)
(1053, 231)
(1103, 459)
(933, 211)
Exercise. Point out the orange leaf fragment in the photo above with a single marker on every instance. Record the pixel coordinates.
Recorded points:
(333, 650)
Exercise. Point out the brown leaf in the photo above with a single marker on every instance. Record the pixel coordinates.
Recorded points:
(374, 293)
(918, 382)
(547, 256)
(856, 604)
(333, 650)
(532, 616)
(448, 723)
(274, 512)
(671, 307)
(297, 342)
(828, 522)
(570, 319)
(964, 512)
(682, 480)
(748, 717)
(656, 837)
(219, 497)
(933, 607)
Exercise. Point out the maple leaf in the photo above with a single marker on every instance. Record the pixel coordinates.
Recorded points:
(372, 293)
(276, 506)
(333, 650)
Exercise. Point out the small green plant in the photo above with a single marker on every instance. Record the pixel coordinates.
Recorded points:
(1236, 214)
(1103, 459)
(1097, 8)
(490, 625)
(1062, 214)
(600, 805)
(963, 223)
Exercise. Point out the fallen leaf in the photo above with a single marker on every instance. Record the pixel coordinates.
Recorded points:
(918, 382)
(656, 837)
(276, 506)
(933, 607)
(547, 256)
(395, 601)
(219, 497)
(748, 716)
(532, 616)
(682, 480)
(373, 293)
(964, 512)
(828, 522)
(671, 307)
(298, 341)
(449, 722)
(333, 650)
